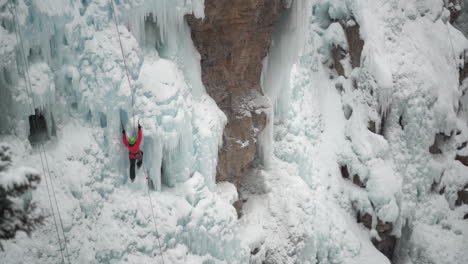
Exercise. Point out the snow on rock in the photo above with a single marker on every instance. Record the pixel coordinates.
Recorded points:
(335, 35)
(227, 191)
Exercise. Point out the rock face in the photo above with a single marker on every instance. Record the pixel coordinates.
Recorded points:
(356, 179)
(387, 241)
(464, 69)
(355, 46)
(462, 196)
(232, 40)
(338, 53)
(439, 140)
(462, 159)
(455, 8)
(355, 43)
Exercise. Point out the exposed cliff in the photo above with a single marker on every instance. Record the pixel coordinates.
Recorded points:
(232, 40)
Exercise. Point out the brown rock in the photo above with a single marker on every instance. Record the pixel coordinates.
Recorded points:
(232, 40)
(386, 245)
(383, 122)
(442, 190)
(462, 146)
(462, 197)
(344, 171)
(434, 149)
(372, 126)
(338, 54)
(464, 71)
(358, 182)
(439, 140)
(383, 227)
(355, 43)
(365, 219)
(454, 11)
(387, 241)
(238, 205)
(400, 122)
(255, 251)
(462, 159)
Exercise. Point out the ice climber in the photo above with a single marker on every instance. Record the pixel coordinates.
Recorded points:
(134, 152)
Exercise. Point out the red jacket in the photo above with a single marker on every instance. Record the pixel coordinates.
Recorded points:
(134, 150)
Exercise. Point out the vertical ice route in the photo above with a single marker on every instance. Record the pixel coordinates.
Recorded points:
(114, 16)
(152, 214)
(334, 129)
(188, 212)
(132, 89)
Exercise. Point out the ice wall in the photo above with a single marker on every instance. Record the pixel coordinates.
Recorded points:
(76, 66)
(363, 138)
(78, 78)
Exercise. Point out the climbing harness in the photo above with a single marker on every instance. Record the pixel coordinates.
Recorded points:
(45, 168)
(148, 179)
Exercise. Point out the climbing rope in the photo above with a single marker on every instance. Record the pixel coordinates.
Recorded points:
(56, 205)
(152, 213)
(21, 50)
(32, 104)
(114, 16)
